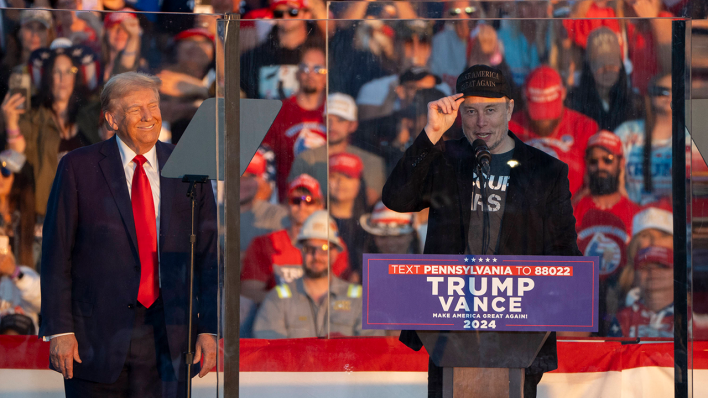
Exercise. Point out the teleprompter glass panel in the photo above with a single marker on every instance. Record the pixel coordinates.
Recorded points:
(584, 91)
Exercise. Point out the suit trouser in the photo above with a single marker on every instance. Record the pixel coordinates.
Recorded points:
(148, 370)
(435, 382)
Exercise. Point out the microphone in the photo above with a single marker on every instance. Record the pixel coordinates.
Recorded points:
(482, 154)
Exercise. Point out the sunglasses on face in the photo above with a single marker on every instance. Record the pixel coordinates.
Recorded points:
(607, 160)
(659, 91)
(312, 250)
(457, 11)
(318, 69)
(5, 172)
(296, 200)
(279, 14)
(69, 72)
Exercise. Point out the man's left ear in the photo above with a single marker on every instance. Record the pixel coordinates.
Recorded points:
(510, 110)
(111, 121)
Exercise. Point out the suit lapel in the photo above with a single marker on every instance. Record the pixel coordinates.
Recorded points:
(515, 198)
(167, 192)
(112, 168)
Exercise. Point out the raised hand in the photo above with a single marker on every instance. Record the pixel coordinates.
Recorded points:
(441, 116)
(132, 27)
(11, 109)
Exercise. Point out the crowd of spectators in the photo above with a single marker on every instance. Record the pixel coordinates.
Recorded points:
(595, 93)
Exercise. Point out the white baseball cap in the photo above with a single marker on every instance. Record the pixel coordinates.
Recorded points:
(653, 218)
(341, 105)
(320, 226)
(383, 221)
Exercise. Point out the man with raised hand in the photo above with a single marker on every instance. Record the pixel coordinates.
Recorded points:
(520, 207)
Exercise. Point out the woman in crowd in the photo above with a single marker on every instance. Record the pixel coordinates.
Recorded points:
(36, 31)
(347, 202)
(648, 277)
(17, 206)
(121, 44)
(604, 93)
(647, 143)
(59, 120)
(389, 232)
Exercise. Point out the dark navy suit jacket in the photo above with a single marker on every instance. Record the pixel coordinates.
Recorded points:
(90, 266)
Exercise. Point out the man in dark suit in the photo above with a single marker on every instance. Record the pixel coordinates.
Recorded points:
(520, 207)
(116, 291)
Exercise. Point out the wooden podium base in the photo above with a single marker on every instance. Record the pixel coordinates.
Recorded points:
(461, 382)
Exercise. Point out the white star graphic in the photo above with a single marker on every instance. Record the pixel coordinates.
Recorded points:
(480, 259)
(487, 259)
(494, 260)
(466, 259)
(472, 259)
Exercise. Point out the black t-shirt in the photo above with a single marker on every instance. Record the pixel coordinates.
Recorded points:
(492, 205)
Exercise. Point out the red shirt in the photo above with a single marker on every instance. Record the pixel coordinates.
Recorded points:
(566, 143)
(625, 209)
(273, 259)
(638, 321)
(294, 131)
(641, 46)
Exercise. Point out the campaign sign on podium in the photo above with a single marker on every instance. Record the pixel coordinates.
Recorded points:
(492, 293)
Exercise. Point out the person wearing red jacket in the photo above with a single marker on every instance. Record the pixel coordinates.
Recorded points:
(551, 127)
(273, 258)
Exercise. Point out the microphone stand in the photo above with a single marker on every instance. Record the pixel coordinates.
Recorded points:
(193, 180)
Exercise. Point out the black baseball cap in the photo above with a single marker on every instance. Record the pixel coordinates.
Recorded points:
(482, 81)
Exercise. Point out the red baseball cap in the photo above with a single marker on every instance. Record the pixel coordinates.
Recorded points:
(347, 164)
(307, 182)
(544, 94)
(606, 140)
(297, 4)
(257, 166)
(114, 18)
(654, 255)
(193, 32)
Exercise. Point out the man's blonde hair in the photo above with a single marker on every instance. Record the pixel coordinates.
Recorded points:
(123, 83)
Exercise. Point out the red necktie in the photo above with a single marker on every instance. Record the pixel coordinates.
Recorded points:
(144, 215)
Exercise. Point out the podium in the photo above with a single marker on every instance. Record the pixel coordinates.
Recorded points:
(482, 364)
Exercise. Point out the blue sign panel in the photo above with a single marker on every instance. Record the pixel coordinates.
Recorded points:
(495, 293)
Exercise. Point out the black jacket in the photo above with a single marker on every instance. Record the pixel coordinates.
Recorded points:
(538, 217)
